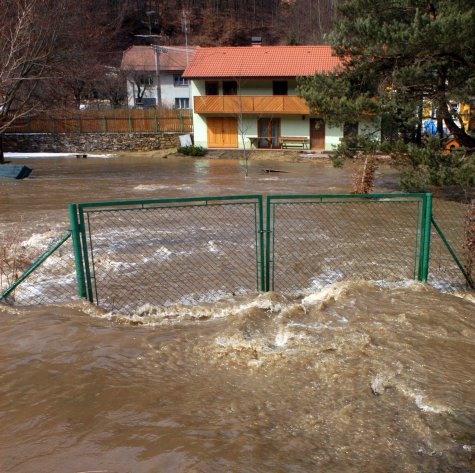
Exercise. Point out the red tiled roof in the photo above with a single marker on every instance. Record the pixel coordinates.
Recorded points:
(142, 58)
(261, 61)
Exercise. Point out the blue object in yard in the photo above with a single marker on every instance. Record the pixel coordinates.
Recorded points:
(14, 171)
(430, 127)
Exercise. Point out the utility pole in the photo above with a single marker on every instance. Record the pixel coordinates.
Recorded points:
(185, 30)
(157, 50)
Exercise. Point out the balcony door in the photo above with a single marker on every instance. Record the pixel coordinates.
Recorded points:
(269, 132)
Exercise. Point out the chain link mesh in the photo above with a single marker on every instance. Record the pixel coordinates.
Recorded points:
(173, 253)
(320, 241)
(444, 273)
(53, 281)
(188, 253)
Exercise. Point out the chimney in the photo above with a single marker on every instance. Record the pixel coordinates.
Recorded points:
(256, 41)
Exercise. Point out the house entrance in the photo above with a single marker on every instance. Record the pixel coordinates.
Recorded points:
(269, 132)
(317, 133)
(222, 132)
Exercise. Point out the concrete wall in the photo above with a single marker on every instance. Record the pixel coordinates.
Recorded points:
(88, 142)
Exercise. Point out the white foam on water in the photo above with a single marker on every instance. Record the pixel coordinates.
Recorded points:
(163, 252)
(155, 187)
(40, 241)
(29, 155)
(212, 247)
(324, 279)
(333, 292)
(423, 404)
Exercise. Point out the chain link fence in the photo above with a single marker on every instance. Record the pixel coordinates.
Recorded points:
(450, 217)
(49, 278)
(316, 241)
(193, 250)
(173, 251)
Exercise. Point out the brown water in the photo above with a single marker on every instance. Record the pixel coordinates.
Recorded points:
(42, 199)
(354, 377)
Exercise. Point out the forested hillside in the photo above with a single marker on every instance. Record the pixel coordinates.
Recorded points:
(58, 53)
(224, 22)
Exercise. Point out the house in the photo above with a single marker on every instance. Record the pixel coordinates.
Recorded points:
(155, 76)
(246, 97)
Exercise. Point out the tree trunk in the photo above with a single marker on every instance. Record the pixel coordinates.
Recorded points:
(459, 133)
(2, 157)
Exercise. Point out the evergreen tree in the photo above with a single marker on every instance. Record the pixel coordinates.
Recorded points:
(395, 55)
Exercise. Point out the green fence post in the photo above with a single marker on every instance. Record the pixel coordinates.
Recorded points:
(267, 271)
(81, 282)
(261, 245)
(87, 269)
(424, 246)
(155, 121)
(130, 123)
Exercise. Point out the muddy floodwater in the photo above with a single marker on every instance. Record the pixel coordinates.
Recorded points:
(352, 376)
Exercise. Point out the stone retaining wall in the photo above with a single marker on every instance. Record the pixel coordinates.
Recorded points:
(88, 142)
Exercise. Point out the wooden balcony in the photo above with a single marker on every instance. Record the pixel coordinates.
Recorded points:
(236, 104)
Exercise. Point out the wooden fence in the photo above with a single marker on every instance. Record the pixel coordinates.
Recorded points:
(107, 121)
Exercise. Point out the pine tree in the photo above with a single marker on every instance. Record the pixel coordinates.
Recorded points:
(395, 55)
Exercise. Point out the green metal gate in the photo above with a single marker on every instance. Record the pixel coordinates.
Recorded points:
(165, 251)
(315, 240)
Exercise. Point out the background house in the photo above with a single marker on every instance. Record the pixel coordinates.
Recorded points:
(246, 96)
(144, 64)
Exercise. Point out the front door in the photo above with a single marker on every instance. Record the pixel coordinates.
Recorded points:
(269, 132)
(317, 133)
(222, 132)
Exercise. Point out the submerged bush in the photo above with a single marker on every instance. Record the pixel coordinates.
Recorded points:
(192, 150)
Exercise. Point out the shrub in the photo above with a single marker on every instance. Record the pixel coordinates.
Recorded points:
(192, 150)
(423, 168)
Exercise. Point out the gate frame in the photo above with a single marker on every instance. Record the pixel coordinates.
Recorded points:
(80, 238)
(423, 223)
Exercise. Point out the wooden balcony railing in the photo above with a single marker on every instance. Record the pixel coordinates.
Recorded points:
(251, 104)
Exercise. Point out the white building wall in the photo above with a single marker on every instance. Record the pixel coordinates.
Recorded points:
(333, 135)
(370, 126)
(290, 125)
(170, 92)
(167, 88)
(200, 133)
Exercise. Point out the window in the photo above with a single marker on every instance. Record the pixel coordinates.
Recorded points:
(280, 87)
(182, 103)
(146, 79)
(350, 129)
(145, 102)
(229, 87)
(212, 88)
(179, 80)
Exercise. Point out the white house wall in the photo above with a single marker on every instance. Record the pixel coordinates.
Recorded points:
(372, 127)
(333, 135)
(200, 133)
(168, 90)
(291, 125)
